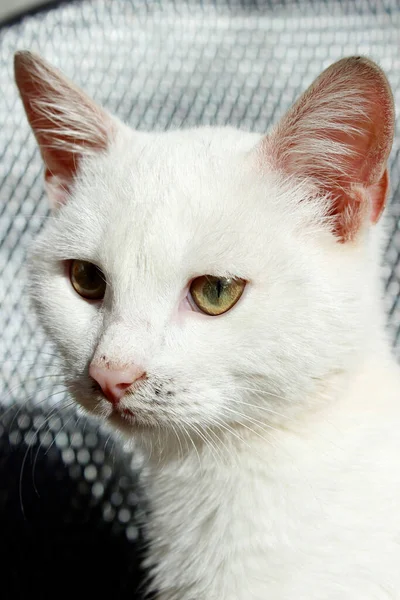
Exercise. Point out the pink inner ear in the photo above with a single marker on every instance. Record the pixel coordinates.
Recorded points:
(66, 122)
(359, 190)
(339, 134)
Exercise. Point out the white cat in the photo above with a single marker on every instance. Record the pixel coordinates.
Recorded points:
(215, 295)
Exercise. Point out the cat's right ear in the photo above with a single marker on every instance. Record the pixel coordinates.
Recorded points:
(67, 124)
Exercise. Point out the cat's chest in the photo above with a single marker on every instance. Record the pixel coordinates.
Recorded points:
(202, 525)
(245, 531)
(226, 532)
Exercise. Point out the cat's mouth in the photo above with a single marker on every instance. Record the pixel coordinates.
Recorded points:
(128, 415)
(125, 414)
(126, 420)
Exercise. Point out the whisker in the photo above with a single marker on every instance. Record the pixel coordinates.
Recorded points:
(35, 404)
(219, 440)
(262, 408)
(178, 438)
(261, 391)
(57, 434)
(252, 420)
(38, 352)
(24, 363)
(263, 426)
(63, 407)
(20, 482)
(31, 380)
(208, 442)
(193, 444)
(107, 440)
(230, 431)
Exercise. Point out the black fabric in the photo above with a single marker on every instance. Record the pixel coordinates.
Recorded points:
(61, 530)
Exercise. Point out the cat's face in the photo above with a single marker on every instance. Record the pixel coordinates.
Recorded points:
(172, 209)
(157, 212)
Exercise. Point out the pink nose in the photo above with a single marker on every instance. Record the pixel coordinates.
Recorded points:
(115, 382)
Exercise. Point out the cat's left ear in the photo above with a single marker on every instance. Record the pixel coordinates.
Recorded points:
(67, 124)
(339, 135)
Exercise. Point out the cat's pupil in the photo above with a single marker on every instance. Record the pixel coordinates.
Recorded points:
(92, 275)
(88, 275)
(213, 290)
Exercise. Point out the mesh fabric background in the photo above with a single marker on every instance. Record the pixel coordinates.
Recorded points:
(159, 64)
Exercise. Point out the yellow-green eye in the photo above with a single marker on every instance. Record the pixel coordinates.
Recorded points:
(87, 280)
(216, 295)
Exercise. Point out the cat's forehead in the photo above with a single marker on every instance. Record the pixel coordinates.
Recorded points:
(188, 144)
(165, 166)
(183, 200)
(149, 182)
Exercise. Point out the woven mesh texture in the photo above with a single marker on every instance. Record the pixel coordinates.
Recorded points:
(156, 64)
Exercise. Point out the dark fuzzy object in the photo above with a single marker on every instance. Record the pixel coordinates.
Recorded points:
(66, 529)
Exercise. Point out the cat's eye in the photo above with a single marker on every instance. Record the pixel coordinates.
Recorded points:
(87, 280)
(216, 295)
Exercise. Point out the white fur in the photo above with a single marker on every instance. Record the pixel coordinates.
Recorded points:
(66, 118)
(272, 469)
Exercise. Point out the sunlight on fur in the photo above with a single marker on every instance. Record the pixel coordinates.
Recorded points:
(266, 407)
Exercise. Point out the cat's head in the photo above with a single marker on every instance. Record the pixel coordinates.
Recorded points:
(212, 277)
